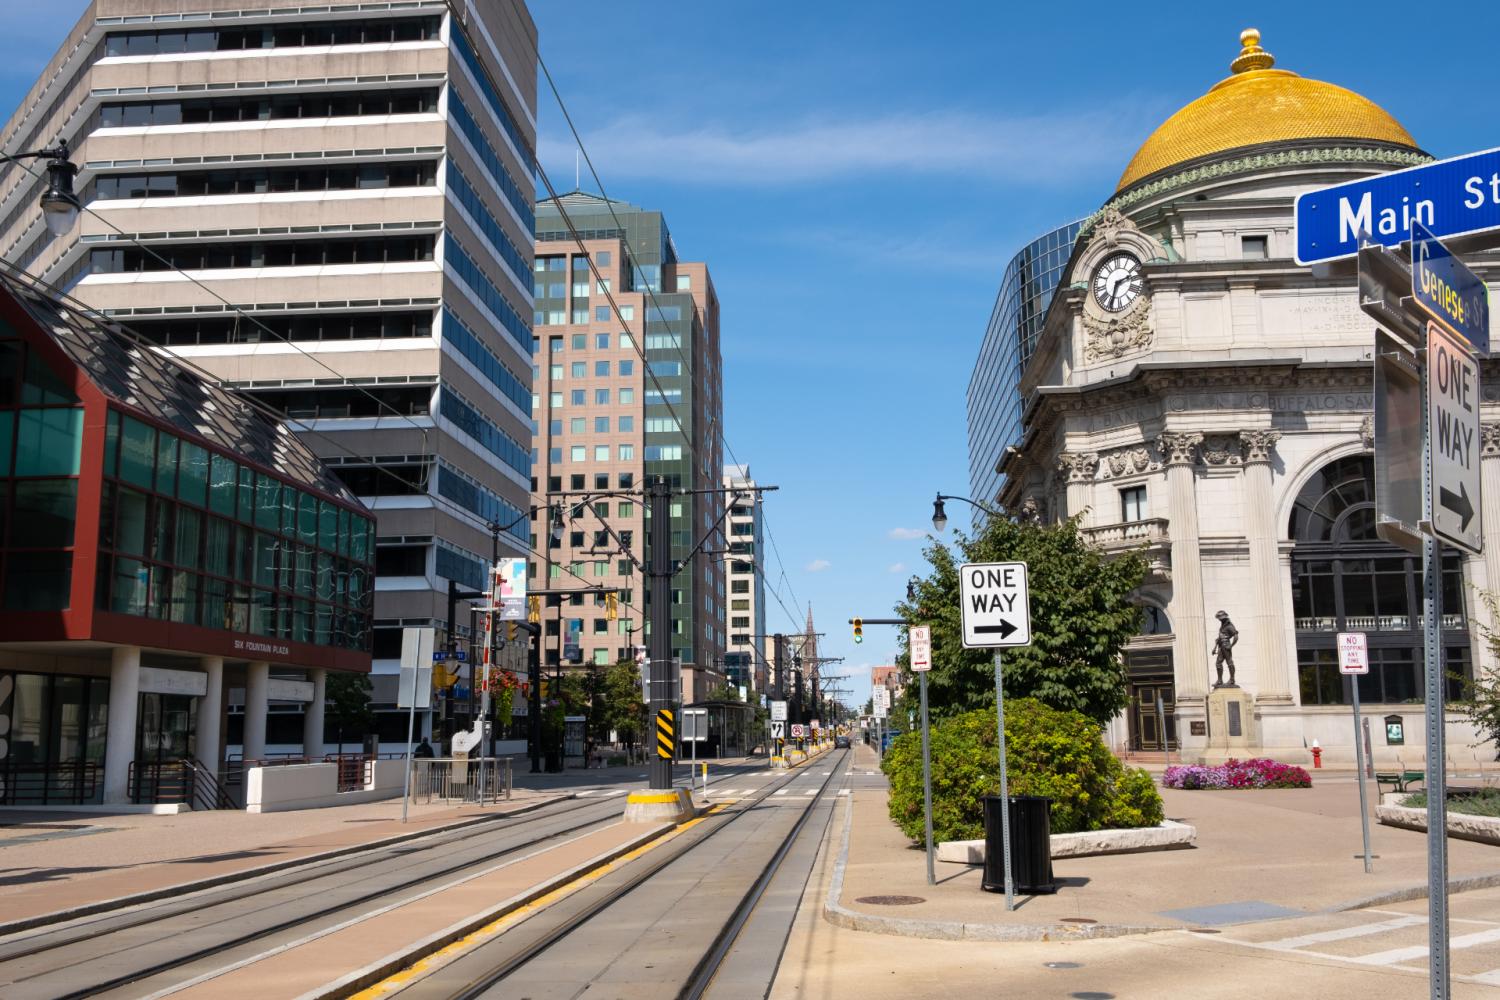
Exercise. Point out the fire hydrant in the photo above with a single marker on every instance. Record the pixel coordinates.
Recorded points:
(1317, 753)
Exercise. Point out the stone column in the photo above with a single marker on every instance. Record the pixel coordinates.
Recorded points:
(1489, 484)
(257, 681)
(124, 704)
(312, 719)
(210, 711)
(1078, 469)
(1268, 650)
(1190, 649)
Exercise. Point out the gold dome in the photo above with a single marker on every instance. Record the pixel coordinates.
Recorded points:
(1257, 105)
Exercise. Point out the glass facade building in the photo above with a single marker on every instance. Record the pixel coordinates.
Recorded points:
(994, 400)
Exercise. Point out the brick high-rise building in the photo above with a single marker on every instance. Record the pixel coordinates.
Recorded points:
(603, 424)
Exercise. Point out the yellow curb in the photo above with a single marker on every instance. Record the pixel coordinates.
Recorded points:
(651, 798)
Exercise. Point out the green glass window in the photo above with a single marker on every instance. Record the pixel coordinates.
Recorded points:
(288, 511)
(303, 584)
(359, 544)
(130, 522)
(267, 503)
(111, 443)
(328, 526)
(137, 452)
(215, 612)
(325, 577)
(10, 367)
(185, 597)
(247, 495)
(189, 537)
(128, 588)
(42, 387)
(48, 442)
(221, 486)
(44, 513)
(192, 474)
(343, 532)
(216, 553)
(38, 581)
(307, 518)
(265, 560)
(162, 540)
(166, 464)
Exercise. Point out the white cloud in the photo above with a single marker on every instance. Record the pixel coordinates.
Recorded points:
(1045, 150)
(902, 534)
(818, 565)
(898, 567)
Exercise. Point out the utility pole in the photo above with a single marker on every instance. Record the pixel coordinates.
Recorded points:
(658, 574)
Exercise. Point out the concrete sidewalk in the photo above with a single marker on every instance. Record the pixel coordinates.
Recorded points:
(53, 862)
(1259, 855)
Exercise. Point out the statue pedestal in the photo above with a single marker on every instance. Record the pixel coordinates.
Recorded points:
(1229, 721)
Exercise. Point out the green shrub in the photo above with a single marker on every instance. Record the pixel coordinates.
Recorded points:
(1485, 802)
(1054, 753)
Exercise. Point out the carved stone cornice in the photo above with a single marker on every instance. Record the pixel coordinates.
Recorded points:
(1221, 450)
(1259, 444)
(1078, 467)
(1116, 336)
(1109, 223)
(1130, 460)
(1180, 447)
(1489, 440)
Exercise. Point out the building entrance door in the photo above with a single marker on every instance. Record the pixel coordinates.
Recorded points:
(168, 728)
(1147, 726)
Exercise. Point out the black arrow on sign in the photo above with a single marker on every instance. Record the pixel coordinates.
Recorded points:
(1458, 503)
(1005, 628)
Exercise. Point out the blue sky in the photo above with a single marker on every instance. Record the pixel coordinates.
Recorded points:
(856, 175)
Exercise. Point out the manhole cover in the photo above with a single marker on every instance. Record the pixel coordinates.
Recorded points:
(1079, 920)
(1203, 930)
(1064, 965)
(890, 900)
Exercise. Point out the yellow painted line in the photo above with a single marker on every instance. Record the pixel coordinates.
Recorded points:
(503, 923)
(651, 797)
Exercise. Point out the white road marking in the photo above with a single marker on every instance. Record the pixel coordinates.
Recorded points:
(843, 791)
(810, 792)
(1491, 978)
(1343, 933)
(827, 773)
(779, 791)
(1395, 955)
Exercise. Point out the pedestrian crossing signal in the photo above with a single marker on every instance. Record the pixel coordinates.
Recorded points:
(611, 606)
(859, 630)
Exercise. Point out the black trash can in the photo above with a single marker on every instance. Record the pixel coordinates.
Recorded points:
(1030, 845)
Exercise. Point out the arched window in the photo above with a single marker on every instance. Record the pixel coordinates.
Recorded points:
(1346, 579)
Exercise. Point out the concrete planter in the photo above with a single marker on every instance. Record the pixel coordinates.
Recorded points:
(1463, 826)
(1166, 837)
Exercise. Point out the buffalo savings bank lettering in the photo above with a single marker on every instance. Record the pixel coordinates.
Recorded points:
(1298, 402)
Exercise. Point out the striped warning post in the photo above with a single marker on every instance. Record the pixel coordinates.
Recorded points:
(666, 735)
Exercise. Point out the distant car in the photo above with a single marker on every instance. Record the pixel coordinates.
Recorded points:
(841, 743)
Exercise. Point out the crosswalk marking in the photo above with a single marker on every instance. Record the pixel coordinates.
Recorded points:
(1343, 933)
(1420, 951)
(810, 792)
(843, 791)
(780, 791)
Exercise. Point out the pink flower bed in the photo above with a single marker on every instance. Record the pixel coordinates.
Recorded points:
(1256, 773)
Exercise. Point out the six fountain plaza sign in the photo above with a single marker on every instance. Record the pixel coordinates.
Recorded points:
(1450, 197)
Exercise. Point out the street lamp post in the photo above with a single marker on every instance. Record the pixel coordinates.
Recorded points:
(59, 203)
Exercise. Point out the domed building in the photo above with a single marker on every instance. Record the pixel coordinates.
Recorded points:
(1196, 394)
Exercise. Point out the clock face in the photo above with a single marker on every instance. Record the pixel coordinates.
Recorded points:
(1117, 283)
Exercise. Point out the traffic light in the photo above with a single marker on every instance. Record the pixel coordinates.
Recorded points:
(534, 608)
(611, 606)
(510, 631)
(859, 630)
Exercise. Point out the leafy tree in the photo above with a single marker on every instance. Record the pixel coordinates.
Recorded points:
(726, 692)
(1081, 618)
(622, 708)
(347, 698)
(1481, 696)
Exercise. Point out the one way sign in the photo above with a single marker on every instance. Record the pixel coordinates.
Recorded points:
(1453, 448)
(996, 604)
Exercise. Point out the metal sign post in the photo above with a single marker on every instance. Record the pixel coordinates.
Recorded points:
(1354, 662)
(919, 640)
(996, 610)
(413, 693)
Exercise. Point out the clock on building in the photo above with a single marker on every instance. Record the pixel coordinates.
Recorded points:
(1117, 282)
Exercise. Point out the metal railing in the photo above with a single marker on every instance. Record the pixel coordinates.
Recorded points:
(477, 779)
(70, 783)
(185, 781)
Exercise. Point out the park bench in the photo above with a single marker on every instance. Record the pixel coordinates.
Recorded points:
(1399, 780)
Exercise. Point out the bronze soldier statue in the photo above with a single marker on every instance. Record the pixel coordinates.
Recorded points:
(1224, 649)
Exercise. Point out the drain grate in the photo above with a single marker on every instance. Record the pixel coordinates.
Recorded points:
(1063, 965)
(1079, 920)
(890, 900)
